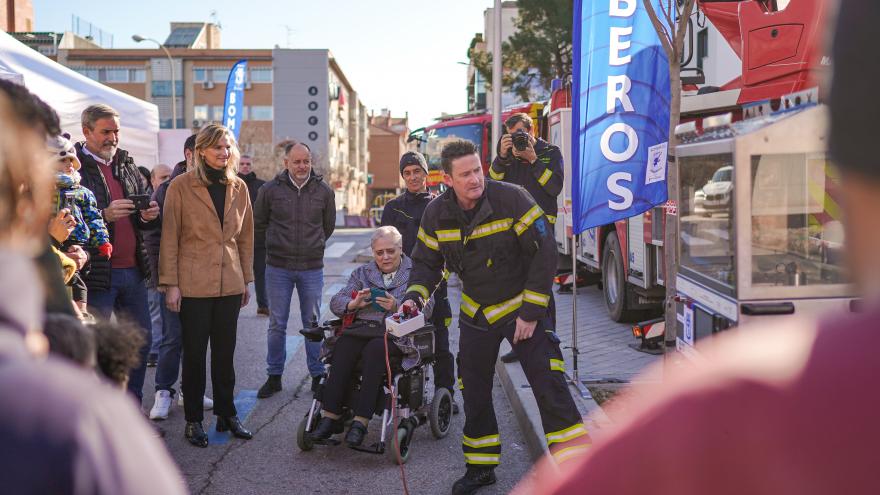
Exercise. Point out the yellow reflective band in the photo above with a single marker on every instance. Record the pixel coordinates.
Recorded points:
(428, 240)
(421, 289)
(528, 219)
(495, 175)
(468, 305)
(570, 453)
(449, 235)
(487, 229)
(447, 322)
(500, 310)
(545, 177)
(551, 219)
(460, 384)
(482, 458)
(445, 274)
(478, 443)
(536, 298)
(567, 434)
(557, 365)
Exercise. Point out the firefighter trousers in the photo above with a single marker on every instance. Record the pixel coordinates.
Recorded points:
(541, 360)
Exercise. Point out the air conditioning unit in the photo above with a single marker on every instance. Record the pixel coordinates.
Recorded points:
(208, 85)
(197, 124)
(247, 85)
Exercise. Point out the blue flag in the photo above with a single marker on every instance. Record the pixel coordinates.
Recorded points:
(620, 113)
(233, 108)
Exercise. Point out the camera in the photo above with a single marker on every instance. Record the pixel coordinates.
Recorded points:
(520, 140)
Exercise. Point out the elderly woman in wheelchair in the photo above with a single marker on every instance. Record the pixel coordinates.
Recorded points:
(372, 293)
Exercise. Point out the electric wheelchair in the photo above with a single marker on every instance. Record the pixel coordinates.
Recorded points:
(406, 404)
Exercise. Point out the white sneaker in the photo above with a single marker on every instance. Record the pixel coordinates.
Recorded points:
(207, 403)
(161, 406)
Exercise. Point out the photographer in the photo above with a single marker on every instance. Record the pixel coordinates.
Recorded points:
(535, 165)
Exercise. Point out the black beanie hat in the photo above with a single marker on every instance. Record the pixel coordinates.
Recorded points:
(855, 113)
(413, 158)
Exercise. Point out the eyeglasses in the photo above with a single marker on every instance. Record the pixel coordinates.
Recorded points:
(383, 252)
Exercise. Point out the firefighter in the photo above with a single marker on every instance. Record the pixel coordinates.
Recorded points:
(537, 168)
(405, 213)
(498, 241)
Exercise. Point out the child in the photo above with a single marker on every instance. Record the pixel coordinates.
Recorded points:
(90, 229)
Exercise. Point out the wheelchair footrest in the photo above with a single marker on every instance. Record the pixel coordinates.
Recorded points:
(329, 441)
(376, 448)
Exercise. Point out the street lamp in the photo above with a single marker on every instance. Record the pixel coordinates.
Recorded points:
(137, 39)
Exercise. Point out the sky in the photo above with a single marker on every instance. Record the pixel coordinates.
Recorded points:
(397, 54)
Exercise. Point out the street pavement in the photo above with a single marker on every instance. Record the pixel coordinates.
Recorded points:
(271, 462)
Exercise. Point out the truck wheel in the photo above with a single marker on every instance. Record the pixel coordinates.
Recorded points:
(614, 279)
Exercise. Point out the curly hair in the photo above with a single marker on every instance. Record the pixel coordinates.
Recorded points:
(118, 345)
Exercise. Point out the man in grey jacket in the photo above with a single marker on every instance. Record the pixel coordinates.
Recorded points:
(296, 213)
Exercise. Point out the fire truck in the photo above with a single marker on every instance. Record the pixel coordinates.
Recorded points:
(759, 223)
(475, 127)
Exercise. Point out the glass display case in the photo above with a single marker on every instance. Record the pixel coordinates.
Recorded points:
(761, 231)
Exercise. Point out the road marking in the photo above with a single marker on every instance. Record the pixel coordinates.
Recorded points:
(337, 249)
(246, 400)
(331, 291)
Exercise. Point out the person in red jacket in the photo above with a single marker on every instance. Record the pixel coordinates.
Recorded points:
(788, 406)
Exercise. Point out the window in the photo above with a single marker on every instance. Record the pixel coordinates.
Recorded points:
(261, 75)
(707, 219)
(220, 76)
(116, 75)
(217, 113)
(91, 73)
(797, 233)
(200, 75)
(259, 113)
(138, 75)
(163, 88)
(200, 112)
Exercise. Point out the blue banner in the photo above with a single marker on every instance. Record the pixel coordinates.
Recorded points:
(620, 112)
(234, 106)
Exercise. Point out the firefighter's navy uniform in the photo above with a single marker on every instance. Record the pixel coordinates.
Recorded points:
(543, 179)
(505, 256)
(405, 213)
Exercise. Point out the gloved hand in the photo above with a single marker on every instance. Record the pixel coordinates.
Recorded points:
(106, 250)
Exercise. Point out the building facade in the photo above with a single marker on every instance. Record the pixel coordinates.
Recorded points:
(388, 137)
(289, 94)
(17, 15)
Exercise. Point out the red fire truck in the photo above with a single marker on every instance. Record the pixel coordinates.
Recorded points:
(779, 43)
(473, 126)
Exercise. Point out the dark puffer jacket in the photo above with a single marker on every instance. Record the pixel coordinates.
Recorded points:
(97, 273)
(254, 184)
(295, 223)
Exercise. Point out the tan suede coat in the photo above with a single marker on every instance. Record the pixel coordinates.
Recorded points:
(196, 254)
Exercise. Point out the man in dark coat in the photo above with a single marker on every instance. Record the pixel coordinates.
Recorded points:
(247, 174)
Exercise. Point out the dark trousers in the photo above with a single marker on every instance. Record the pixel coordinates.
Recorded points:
(127, 297)
(345, 357)
(444, 368)
(204, 319)
(260, 277)
(541, 360)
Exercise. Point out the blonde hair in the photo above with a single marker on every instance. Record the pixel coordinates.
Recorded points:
(210, 135)
(25, 183)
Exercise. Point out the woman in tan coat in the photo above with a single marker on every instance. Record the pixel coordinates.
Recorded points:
(205, 264)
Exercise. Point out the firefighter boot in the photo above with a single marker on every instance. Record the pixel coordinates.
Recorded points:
(475, 478)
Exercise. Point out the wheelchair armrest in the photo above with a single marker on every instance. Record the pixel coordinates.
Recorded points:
(336, 322)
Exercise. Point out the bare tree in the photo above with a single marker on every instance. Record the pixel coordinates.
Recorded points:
(671, 27)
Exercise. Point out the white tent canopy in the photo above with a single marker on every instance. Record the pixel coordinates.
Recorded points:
(69, 93)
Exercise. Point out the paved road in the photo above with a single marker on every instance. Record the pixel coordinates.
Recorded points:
(271, 462)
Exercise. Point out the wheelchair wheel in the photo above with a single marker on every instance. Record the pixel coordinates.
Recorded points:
(303, 439)
(403, 438)
(440, 415)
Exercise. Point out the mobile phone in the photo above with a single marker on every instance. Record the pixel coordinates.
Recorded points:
(374, 293)
(68, 200)
(141, 201)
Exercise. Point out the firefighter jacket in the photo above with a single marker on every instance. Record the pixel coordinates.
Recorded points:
(543, 179)
(504, 255)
